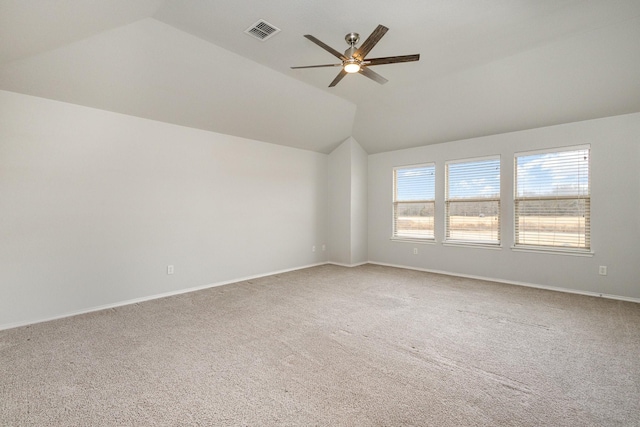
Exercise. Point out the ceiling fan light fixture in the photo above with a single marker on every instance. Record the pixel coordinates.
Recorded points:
(351, 66)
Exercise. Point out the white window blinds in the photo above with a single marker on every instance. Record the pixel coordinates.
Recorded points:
(553, 199)
(472, 201)
(414, 201)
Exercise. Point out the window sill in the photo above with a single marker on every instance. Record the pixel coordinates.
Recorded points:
(555, 251)
(424, 241)
(480, 245)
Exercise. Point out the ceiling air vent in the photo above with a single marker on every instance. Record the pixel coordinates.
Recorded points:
(262, 30)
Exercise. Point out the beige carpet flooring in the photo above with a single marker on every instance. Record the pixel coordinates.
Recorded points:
(332, 346)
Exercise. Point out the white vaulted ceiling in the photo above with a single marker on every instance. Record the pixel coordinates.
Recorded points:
(486, 67)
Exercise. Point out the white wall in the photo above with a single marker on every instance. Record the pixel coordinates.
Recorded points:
(347, 236)
(339, 204)
(359, 229)
(94, 205)
(615, 224)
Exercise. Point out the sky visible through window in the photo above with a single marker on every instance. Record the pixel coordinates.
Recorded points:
(415, 183)
(559, 173)
(475, 179)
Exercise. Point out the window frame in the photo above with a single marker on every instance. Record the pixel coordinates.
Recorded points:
(395, 202)
(576, 251)
(492, 244)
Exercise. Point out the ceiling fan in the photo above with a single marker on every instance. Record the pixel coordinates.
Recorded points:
(354, 58)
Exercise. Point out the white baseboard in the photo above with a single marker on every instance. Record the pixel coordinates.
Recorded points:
(257, 276)
(150, 297)
(512, 282)
(347, 265)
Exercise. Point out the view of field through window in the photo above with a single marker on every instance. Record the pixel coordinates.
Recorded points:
(414, 202)
(472, 201)
(551, 206)
(552, 203)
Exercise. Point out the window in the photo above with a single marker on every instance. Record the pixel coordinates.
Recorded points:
(472, 201)
(552, 199)
(413, 201)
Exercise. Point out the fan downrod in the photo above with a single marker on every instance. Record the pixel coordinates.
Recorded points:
(351, 39)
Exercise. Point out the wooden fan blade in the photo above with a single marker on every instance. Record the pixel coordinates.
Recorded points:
(317, 66)
(339, 77)
(392, 59)
(326, 47)
(370, 42)
(373, 75)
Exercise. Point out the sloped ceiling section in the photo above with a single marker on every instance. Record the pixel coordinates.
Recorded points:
(28, 27)
(486, 67)
(152, 70)
(592, 75)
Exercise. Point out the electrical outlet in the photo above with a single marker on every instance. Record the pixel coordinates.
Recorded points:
(602, 270)
(313, 248)
(324, 247)
(169, 269)
(415, 251)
